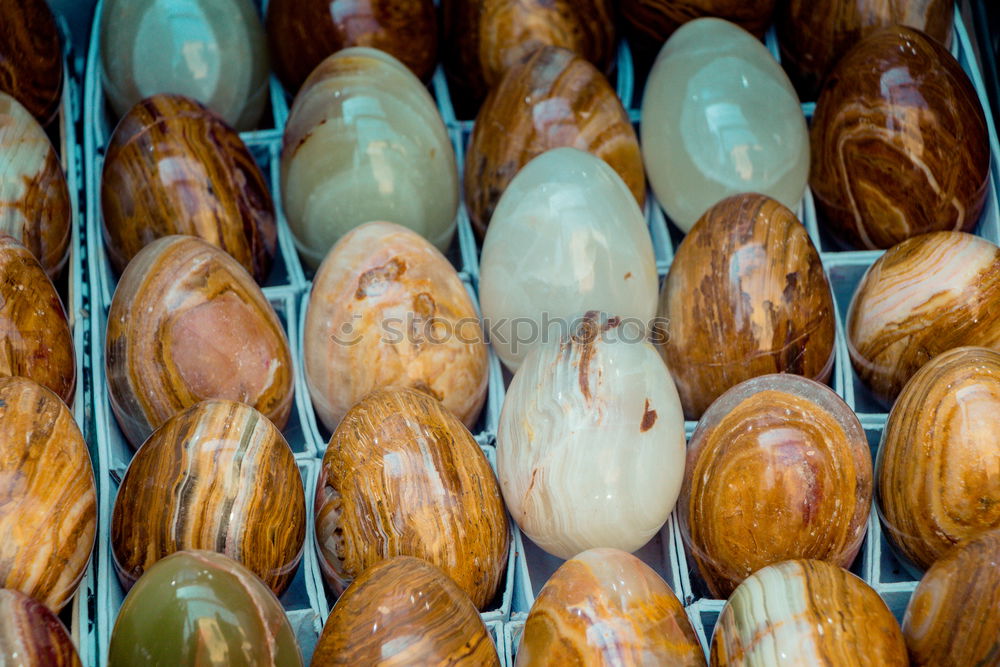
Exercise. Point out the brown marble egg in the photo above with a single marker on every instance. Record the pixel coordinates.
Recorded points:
(31, 635)
(31, 63)
(36, 339)
(220, 477)
(483, 38)
(778, 468)
(746, 295)
(301, 33)
(388, 310)
(938, 467)
(48, 498)
(651, 22)
(553, 99)
(815, 34)
(403, 477)
(611, 594)
(175, 167)
(187, 324)
(922, 297)
(405, 611)
(953, 619)
(899, 145)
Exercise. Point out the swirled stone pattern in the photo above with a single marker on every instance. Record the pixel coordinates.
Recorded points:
(404, 611)
(202, 608)
(939, 462)
(554, 98)
(652, 22)
(607, 607)
(778, 468)
(31, 635)
(48, 499)
(922, 297)
(746, 295)
(174, 167)
(899, 142)
(403, 477)
(188, 323)
(387, 309)
(806, 612)
(590, 446)
(220, 477)
(31, 62)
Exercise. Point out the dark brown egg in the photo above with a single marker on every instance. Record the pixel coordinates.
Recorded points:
(651, 22)
(31, 635)
(31, 64)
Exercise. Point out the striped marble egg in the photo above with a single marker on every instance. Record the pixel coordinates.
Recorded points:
(31, 635)
(174, 167)
(34, 200)
(403, 477)
(806, 612)
(218, 476)
(405, 611)
(922, 297)
(48, 498)
(653, 21)
(938, 467)
(607, 607)
(31, 58)
(388, 310)
(187, 324)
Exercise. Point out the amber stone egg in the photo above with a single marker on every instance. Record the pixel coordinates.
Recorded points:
(34, 199)
(405, 611)
(483, 38)
(387, 309)
(613, 595)
(554, 98)
(403, 477)
(746, 295)
(220, 477)
(953, 619)
(37, 341)
(899, 142)
(939, 463)
(188, 323)
(651, 22)
(31, 635)
(48, 499)
(31, 65)
(922, 297)
(175, 167)
(301, 33)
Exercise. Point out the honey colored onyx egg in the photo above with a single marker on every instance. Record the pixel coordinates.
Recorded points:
(174, 167)
(48, 499)
(37, 341)
(403, 477)
(364, 141)
(720, 117)
(806, 612)
(922, 297)
(388, 310)
(188, 323)
(301, 33)
(607, 607)
(517, 123)
(202, 608)
(31, 635)
(778, 468)
(746, 295)
(590, 446)
(31, 61)
(405, 611)
(34, 198)
(211, 50)
(939, 464)
(218, 476)
(567, 237)
(953, 619)
(899, 142)
(484, 38)
(815, 34)
(652, 21)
